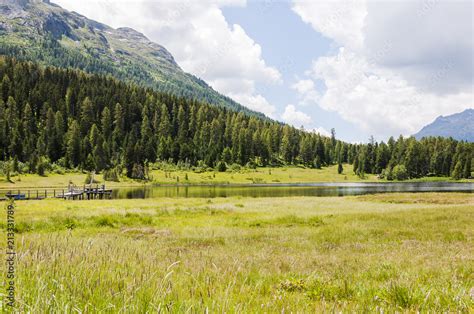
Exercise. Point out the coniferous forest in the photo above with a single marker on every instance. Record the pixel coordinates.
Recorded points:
(67, 118)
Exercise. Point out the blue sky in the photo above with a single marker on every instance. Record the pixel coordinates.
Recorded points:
(363, 67)
(290, 45)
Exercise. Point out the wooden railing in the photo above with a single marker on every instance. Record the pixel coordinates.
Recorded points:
(86, 192)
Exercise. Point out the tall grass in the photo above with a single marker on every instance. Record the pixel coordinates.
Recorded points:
(399, 252)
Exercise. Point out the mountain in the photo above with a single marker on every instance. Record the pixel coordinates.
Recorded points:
(459, 126)
(47, 34)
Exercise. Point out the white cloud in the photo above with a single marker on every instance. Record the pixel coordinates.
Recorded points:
(403, 62)
(295, 117)
(303, 86)
(377, 99)
(307, 91)
(423, 40)
(200, 39)
(340, 20)
(255, 102)
(321, 131)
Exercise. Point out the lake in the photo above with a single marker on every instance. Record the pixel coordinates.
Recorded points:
(286, 190)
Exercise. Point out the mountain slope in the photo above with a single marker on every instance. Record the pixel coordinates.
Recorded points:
(459, 126)
(42, 32)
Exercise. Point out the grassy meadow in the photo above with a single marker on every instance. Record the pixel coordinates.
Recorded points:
(385, 253)
(243, 176)
(188, 177)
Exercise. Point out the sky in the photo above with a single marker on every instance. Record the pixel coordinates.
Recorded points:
(363, 67)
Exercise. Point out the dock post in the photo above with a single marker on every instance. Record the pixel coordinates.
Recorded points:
(28, 194)
(37, 194)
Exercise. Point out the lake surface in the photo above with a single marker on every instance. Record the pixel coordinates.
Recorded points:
(285, 190)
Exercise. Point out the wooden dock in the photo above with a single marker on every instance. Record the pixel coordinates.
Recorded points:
(86, 192)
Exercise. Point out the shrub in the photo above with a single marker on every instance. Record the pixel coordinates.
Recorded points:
(112, 175)
(400, 172)
(251, 165)
(6, 170)
(317, 162)
(43, 166)
(57, 168)
(201, 167)
(235, 167)
(15, 165)
(61, 162)
(386, 174)
(23, 167)
(90, 178)
(138, 172)
(221, 166)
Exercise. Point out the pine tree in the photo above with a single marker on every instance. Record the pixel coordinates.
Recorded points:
(458, 170)
(286, 145)
(73, 148)
(165, 125)
(467, 167)
(340, 169)
(3, 131)
(99, 154)
(106, 123)
(119, 128)
(306, 151)
(227, 155)
(87, 116)
(382, 157)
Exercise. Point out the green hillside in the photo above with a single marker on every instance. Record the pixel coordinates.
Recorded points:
(47, 34)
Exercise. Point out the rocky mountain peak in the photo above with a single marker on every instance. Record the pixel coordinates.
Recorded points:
(459, 126)
(127, 31)
(22, 3)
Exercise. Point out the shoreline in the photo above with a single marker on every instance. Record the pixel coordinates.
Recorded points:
(220, 184)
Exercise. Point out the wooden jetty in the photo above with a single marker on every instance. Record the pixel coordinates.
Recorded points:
(86, 192)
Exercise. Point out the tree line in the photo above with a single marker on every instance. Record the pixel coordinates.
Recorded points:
(406, 158)
(51, 116)
(94, 122)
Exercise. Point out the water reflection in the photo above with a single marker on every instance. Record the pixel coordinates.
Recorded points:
(286, 190)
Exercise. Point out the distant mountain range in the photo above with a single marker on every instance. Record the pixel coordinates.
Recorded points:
(459, 126)
(45, 33)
